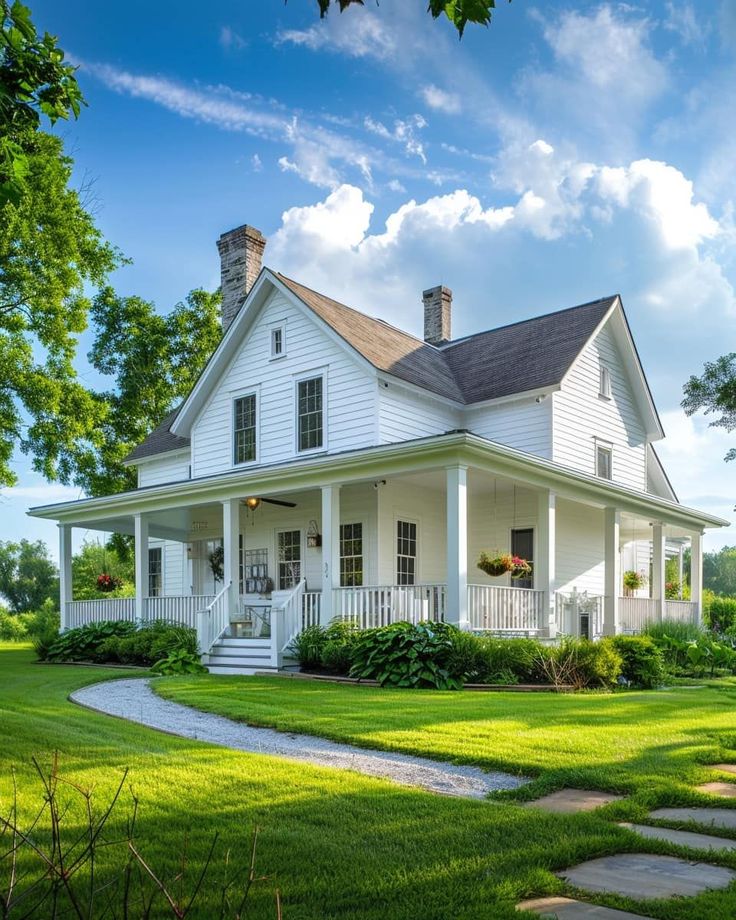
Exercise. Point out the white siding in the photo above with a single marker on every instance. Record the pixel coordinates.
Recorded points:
(173, 561)
(523, 424)
(401, 500)
(171, 467)
(580, 415)
(404, 415)
(580, 550)
(491, 518)
(350, 392)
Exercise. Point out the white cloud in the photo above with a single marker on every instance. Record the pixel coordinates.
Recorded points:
(441, 100)
(692, 28)
(404, 132)
(231, 40)
(256, 163)
(357, 33)
(47, 493)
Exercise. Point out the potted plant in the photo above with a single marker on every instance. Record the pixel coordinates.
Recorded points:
(520, 568)
(633, 581)
(497, 565)
(108, 583)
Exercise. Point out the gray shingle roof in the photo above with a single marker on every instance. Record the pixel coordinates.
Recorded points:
(527, 355)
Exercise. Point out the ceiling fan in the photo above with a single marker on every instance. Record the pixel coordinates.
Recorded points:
(253, 501)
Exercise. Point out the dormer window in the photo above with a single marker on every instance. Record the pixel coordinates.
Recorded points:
(278, 341)
(604, 387)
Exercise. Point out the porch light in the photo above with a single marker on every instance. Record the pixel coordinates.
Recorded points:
(252, 503)
(314, 537)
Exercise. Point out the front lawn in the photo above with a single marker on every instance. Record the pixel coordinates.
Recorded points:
(337, 844)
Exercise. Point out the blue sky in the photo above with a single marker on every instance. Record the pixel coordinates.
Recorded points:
(549, 160)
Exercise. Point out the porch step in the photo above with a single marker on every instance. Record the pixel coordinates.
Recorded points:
(243, 670)
(240, 656)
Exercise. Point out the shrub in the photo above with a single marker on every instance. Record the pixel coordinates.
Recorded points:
(643, 661)
(82, 643)
(520, 657)
(12, 627)
(582, 664)
(120, 642)
(722, 614)
(406, 655)
(339, 641)
(180, 661)
(307, 647)
(465, 658)
(673, 629)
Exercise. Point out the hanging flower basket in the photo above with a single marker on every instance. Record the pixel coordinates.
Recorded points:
(495, 566)
(520, 568)
(107, 583)
(633, 581)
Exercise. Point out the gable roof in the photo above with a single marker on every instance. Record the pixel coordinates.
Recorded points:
(160, 441)
(527, 355)
(387, 348)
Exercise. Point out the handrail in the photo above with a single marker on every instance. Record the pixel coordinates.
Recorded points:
(213, 620)
(286, 626)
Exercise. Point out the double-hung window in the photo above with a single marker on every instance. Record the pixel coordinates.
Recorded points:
(604, 461)
(277, 341)
(406, 553)
(155, 571)
(290, 559)
(604, 385)
(244, 429)
(310, 413)
(351, 555)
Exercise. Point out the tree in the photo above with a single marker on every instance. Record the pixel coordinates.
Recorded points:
(719, 571)
(95, 559)
(715, 393)
(154, 361)
(27, 576)
(459, 12)
(35, 82)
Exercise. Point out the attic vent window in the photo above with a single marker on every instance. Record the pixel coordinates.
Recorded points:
(277, 342)
(604, 388)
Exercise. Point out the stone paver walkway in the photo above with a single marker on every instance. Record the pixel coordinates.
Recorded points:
(708, 817)
(682, 838)
(568, 909)
(133, 699)
(571, 801)
(724, 790)
(644, 876)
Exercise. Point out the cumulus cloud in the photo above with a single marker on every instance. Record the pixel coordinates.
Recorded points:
(441, 100)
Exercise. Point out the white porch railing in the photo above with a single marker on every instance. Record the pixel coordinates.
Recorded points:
(578, 613)
(379, 605)
(181, 610)
(311, 605)
(213, 620)
(286, 621)
(80, 613)
(501, 609)
(683, 611)
(635, 612)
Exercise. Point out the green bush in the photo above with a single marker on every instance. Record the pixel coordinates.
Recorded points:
(582, 664)
(673, 629)
(307, 647)
(12, 627)
(721, 614)
(406, 655)
(124, 642)
(643, 661)
(82, 643)
(17, 627)
(179, 661)
(521, 657)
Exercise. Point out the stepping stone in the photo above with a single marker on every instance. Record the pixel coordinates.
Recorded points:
(683, 838)
(567, 909)
(723, 767)
(571, 801)
(644, 876)
(710, 817)
(724, 790)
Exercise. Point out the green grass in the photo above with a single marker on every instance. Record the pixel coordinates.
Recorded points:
(337, 844)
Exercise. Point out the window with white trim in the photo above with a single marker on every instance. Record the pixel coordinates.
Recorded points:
(351, 555)
(310, 413)
(155, 571)
(290, 559)
(244, 429)
(604, 461)
(278, 345)
(406, 553)
(604, 385)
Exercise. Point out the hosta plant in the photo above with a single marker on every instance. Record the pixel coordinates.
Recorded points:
(406, 655)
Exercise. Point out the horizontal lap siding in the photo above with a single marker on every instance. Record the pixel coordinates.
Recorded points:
(163, 469)
(490, 522)
(525, 425)
(403, 415)
(402, 500)
(581, 415)
(579, 547)
(350, 393)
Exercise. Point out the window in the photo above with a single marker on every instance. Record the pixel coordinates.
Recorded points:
(522, 544)
(155, 571)
(244, 429)
(277, 342)
(604, 461)
(351, 555)
(309, 414)
(290, 559)
(406, 553)
(604, 387)
(253, 574)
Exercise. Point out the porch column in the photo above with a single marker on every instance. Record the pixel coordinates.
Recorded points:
(612, 577)
(330, 551)
(230, 545)
(457, 546)
(65, 574)
(141, 565)
(658, 567)
(544, 562)
(696, 574)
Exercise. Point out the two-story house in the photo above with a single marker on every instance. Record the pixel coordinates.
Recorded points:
(329, 464)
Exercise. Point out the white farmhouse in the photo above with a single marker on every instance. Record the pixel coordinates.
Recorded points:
(328, 464)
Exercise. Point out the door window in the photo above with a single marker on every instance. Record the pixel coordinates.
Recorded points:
(522, 544)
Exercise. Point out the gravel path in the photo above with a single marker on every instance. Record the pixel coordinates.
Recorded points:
(134, 700)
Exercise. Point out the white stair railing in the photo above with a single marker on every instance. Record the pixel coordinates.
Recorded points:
(213, 620)
(286, 621)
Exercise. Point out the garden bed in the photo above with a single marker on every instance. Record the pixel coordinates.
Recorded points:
(337, 679)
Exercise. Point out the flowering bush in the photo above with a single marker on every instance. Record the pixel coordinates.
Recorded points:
(107, 583)
(496, 565)
(672, 590)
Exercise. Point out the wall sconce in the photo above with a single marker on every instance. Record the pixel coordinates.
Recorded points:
(314, 537)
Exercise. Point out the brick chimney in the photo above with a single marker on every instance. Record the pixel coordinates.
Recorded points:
(437, 315)
(241, 255)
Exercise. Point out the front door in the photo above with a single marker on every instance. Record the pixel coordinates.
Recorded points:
(522, 544)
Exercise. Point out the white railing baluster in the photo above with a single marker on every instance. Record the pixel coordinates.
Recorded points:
(505, 609)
